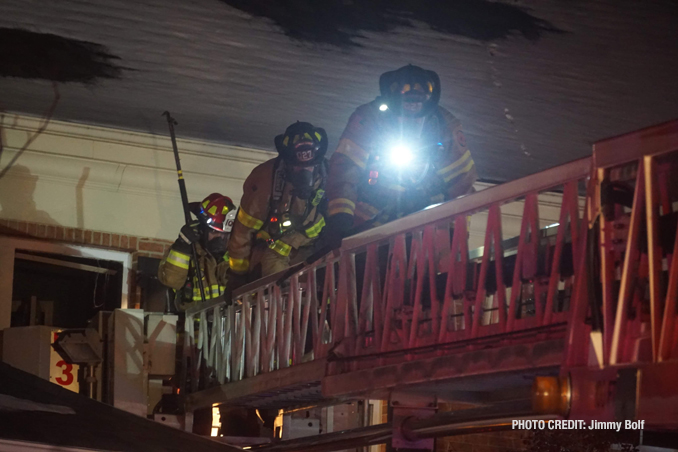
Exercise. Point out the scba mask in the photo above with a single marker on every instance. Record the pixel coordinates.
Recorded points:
(302, 179)
(217, 245)
(216, 241)
(302, 147)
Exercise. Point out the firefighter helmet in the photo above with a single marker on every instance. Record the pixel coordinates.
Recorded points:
(302, 144)
(409, 84)
(215, 212)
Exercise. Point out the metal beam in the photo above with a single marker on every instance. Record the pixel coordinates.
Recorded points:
(466, 366)
(448, 422)
(475, 202)
(474, 420)
(345, 439)
(62, 263)
(653, 140)
(283, 382)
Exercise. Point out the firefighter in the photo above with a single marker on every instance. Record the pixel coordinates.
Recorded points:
(398, 154)
(282, 208)
(210, 233)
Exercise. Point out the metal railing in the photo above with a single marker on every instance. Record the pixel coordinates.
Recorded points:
(401, 286)
(627, 293)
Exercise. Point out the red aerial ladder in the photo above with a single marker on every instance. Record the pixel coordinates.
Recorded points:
(414, 312)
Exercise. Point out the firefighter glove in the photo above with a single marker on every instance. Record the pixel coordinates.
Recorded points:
(189, 233)
(338, 226)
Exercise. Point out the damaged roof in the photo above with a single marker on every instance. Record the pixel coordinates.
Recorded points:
(533, 82)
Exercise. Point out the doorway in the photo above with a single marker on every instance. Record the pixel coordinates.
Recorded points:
(61, 285)
(62, 291)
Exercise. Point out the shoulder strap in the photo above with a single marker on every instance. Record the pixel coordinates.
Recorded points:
(324, 169)
(278, 179)
(277, 187)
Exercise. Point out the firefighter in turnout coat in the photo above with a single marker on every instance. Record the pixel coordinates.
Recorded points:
(216, 214)
(282, 208)
(397, 155)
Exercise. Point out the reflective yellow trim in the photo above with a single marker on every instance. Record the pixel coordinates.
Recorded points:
(340, 210)
(465, 169)
(354, 152)
(248, 220)
(345, 201)
(239, 265)
(340, 205)
(286, 140)
(215, 290)
(318, 136)
(281, 248)
(181, 260)
(212, 291)
(460, 161)
(319, 193)
(314, 230)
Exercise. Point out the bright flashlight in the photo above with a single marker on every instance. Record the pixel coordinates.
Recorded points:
(401, 155)
(383, 107)
(287, 223)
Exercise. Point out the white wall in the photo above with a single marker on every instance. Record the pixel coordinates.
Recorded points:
(104, 179)
(112, 180)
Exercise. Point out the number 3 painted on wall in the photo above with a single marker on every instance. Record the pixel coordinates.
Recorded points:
(66, 371)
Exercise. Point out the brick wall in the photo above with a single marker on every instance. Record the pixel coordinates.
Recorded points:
(137, 246)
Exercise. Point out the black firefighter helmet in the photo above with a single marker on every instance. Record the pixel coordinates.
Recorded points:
(302, 147)
(409, 86)
(302, 144)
